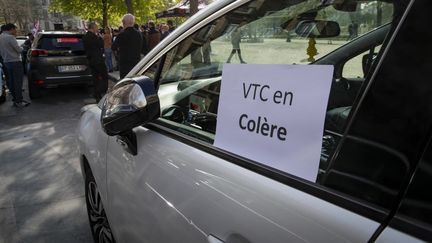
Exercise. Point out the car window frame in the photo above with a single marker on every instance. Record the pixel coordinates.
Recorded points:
(348, 202)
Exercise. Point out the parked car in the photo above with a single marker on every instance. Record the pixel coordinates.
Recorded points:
(56, 58)
(150, 154)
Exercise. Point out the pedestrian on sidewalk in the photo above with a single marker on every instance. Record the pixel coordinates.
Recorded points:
(129, 45)
(107, 38)
(94, 47)
(11, 54)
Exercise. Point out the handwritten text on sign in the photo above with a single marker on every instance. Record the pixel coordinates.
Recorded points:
(274, 114)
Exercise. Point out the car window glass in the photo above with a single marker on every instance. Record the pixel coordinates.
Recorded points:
(260, 33)
(264, 32)
(73, 43)
(357, 67)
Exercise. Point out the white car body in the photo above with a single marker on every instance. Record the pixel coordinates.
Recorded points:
(180, 189)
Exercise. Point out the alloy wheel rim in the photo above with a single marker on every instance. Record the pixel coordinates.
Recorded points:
(98, 220)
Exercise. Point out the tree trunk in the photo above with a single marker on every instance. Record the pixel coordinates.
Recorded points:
(105, 13)
(193, 6)
(379, 14)
(129, 6)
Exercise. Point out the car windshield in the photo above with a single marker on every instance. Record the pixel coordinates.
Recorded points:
(73, 43)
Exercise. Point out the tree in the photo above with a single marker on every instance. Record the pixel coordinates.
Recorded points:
(20, 12)
(193, 6)
(129, 6)
(111, 11)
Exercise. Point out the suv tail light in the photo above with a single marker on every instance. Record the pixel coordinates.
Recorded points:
(39, 82)
(39, 53)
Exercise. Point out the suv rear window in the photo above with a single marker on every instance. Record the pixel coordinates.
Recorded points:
(73, 43)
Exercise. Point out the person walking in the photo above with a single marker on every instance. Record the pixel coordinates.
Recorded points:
(129, 45)
(107, 39)
(235, 41)
(94, 46)
(11, 54)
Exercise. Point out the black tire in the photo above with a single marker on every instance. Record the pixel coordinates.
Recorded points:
(34, 91)
(99, 226)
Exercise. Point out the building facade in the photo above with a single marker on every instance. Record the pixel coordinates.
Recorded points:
(57, 20)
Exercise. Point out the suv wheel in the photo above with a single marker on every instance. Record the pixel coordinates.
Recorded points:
(99, 225)
(34, 91)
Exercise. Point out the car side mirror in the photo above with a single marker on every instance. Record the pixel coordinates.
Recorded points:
(131, 103)
(317, 29)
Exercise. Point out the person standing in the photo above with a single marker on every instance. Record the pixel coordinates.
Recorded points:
(164, 31)
(144, 49)
(26, 47)
(94, 46)
(11, 53)
(171, 25)
(129, 45)
(153, 35)
(107, 38)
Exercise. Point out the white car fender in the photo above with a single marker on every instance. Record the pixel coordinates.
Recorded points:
(92, 142)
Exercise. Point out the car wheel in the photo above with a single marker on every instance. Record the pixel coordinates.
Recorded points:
(99, 225)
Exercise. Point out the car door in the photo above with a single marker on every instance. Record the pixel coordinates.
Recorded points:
(411, 222)
(181, 188)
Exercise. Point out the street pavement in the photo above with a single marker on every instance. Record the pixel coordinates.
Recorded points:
(41, 186)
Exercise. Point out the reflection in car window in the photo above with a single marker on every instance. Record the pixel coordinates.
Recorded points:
(265, 32)
(417, 204)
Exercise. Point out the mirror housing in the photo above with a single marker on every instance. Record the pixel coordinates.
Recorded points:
(317, 29)
(131, 103)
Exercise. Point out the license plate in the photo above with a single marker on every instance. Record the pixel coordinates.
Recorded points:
(71, 68)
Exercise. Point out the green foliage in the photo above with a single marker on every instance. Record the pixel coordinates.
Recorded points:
(92, 9)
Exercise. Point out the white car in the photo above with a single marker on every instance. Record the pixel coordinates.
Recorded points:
(343, 154)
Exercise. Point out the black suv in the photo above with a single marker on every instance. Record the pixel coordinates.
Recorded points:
(57, 58)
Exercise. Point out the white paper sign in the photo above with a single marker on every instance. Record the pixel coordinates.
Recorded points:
(274, 114)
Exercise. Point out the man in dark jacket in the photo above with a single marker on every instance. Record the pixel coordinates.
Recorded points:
(129, 45)
(94, 46)
(154, 36)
